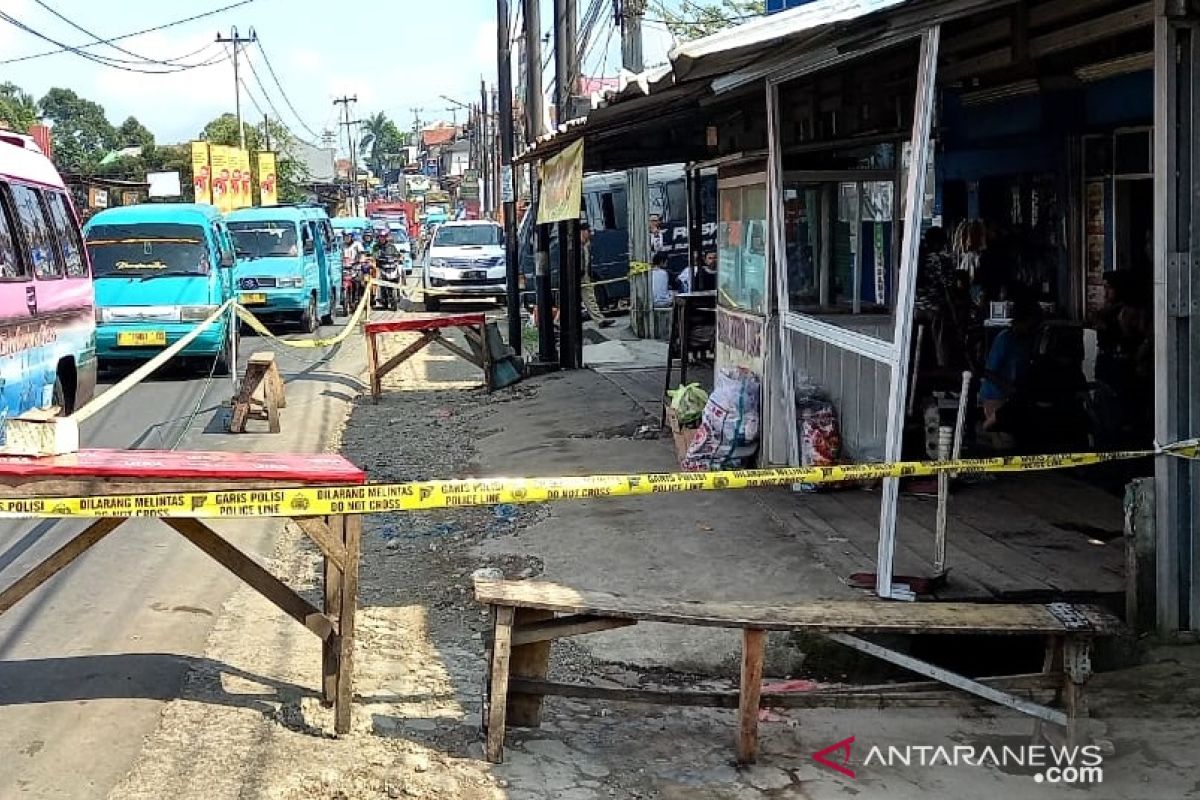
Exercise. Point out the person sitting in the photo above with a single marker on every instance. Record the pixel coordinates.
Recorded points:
(660, 281)
(705, 279)
(1003, 392)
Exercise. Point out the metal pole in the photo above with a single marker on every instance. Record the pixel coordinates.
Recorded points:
(534, 113)
(508, 194)
(237, 41)
(641, 313)
(484, 159)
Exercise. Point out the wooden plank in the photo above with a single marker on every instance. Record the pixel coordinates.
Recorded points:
(376, 378)
(528, 661)
(754, 642)
(498, 682)
(344, 704)
(1093, 30)
(324, 537)
(416, 323)
(331, 588)
(914, 694)
(571, 625)
(57, 561)
(255, 576)
(820, 616)
(404, 355)
(175, 467)
(256, 373)
(458, 351)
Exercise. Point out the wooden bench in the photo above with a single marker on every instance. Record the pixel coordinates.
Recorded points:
(260, 396)
(528, 615)
(430, 327)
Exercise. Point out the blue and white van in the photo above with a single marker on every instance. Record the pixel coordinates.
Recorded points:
(159, 270)
(283, 272)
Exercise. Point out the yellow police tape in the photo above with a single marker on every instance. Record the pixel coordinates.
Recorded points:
(258, 327)
(635, 268)
(427, 495)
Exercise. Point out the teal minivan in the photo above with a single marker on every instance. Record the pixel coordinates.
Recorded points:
(160, 269)
(283, 271)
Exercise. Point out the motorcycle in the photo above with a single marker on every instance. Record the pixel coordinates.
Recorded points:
(390, 270)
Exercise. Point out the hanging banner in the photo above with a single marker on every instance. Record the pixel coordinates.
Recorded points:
(267, 181)
(222, 177)
(562, 186)
(201, 173)
(244, 194)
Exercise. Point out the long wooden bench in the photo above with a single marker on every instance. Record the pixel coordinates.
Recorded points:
(528, 615)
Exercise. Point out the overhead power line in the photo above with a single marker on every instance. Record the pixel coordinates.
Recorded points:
(65, 48)
(287, 100)
(105, 61)
(141, 59)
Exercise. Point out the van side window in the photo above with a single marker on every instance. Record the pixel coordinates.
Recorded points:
(68, 234)
(224, 241)
(306, 237)
(46, 261)
(11, 265)
(615, 211)
(608, 212)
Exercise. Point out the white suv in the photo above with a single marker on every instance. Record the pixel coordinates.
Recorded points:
(465, 260)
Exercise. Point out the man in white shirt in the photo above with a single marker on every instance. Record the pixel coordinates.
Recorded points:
(660, 281)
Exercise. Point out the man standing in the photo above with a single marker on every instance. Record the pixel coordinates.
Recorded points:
(591, 302)
(706, 274)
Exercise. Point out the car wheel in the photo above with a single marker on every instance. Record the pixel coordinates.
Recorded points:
(432, 303)
(309, 321)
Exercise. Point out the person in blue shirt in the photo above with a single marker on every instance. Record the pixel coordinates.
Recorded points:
(1008, 364)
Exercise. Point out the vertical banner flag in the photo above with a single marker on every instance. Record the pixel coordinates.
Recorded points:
(245, 188)
(267, 191)
(562, 186)
(201, 173)
(222, 177)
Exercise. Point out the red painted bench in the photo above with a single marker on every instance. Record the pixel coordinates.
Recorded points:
(98, 473)
(430, 327)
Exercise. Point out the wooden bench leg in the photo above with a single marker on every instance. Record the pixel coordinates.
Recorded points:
(1077, 669)
(498, 682)
(343, 706)
(373, 367)
(753, 649)
(332, 590)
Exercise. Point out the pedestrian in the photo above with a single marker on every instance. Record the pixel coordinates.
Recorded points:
(657, 240)
(660, 281)
(705, 279)
(590, 292)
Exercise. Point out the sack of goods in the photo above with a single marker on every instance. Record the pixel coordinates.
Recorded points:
(820, 437)
(729, 427)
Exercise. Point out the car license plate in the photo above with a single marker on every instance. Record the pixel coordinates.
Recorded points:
(252, 299)
(475, 274)
(141, 339)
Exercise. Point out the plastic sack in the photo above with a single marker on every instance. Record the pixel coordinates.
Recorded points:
(688, 402)
(729, 427)
(820, 436)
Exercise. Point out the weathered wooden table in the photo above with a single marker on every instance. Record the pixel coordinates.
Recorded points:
(109, 473)
(430, 327)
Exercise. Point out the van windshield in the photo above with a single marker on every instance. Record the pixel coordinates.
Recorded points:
(264, 239)
(466, 235)
(146, 249)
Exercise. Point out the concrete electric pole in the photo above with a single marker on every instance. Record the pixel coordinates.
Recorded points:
(641, 316)
(535, 113)
(507, 189)
(570, 337)
(345, 102)
(237, 42)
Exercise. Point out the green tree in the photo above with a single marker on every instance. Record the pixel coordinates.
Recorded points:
(382, 140)
(132, 133)
(17, 109)
(82, 133)
(696, 19)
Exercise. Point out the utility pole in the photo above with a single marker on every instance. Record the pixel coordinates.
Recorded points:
(637, 191)
(570, 338)
(535, 113)
(485, 155)
(508, 197)
(266, 132)
(345, 102)
(237, 42)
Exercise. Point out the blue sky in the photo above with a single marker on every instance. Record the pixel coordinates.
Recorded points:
(394, 54)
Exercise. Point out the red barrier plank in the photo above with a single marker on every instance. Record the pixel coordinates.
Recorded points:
(322, 468)
(415, 323)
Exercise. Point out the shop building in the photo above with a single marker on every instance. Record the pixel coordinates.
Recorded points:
(1052, 142)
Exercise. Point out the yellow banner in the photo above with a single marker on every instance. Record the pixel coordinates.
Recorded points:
(201, 173)
(562, 186)
(428, 495)
(222, 177)
(243, 194)
(268, 192)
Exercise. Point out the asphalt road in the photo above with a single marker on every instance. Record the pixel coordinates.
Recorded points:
(87, 661)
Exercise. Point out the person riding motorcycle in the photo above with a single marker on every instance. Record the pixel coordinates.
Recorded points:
(352, 259)
(387, 257)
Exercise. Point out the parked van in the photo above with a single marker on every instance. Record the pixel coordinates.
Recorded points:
(47, 313)
(283, 274)
(605, 209)
(329, 243)
(160, 269)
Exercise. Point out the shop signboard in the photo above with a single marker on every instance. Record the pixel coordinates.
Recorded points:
(97, 197)
(741, 340)
(201, 173)
(469, 189)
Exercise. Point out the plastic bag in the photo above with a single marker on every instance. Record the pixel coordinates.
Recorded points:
(728, 434)
(688, 402)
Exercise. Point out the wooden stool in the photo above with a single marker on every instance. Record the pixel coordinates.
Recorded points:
(260, 396)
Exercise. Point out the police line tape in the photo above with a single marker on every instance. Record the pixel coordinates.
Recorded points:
(257, 325)
(442, 494)
(635, 268)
